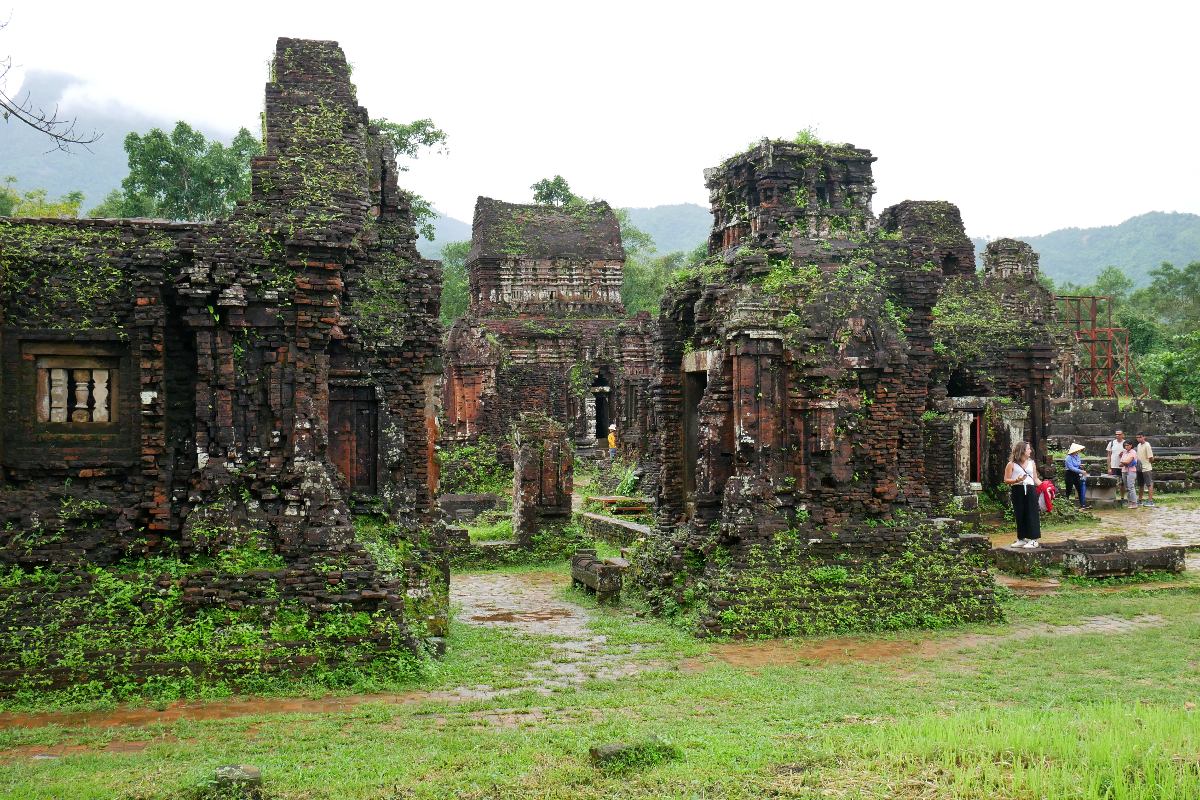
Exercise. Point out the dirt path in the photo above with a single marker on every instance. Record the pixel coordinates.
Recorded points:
(528, 602)
(581, 483)
(851, 649)
(521, 602)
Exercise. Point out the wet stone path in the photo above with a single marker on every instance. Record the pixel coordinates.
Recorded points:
(1149, 527)
(528, 603)
(1160, 526)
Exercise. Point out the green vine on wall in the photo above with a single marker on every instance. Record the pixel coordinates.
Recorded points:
(67, 276)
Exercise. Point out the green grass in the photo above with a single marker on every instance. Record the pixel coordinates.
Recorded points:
(498, 530)
(982, 714)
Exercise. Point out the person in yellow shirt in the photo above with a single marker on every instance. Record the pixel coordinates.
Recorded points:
(612, 442)
(1145, 470)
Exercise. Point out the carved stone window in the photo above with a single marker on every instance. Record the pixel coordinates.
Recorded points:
(76, 390)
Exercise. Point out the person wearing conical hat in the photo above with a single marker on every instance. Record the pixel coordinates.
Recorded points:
(1076, 475)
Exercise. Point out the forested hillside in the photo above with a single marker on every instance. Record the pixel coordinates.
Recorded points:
(94, 170)
(677, 227)
(1137, 245)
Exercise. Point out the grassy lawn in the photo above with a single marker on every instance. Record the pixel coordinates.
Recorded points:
(1009, 711)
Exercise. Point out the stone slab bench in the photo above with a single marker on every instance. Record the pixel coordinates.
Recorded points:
(604, 577)
(1020, 561)
(1129, 562)
(619, 532)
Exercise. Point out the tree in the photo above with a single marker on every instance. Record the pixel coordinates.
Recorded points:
(119, 205)
(1173, 373)
(408, 140)
(455, 283)
(182, 175)
(1174, 294)
(59, 130)
(556, 192)
(1114, 283)
(35, 203)
(8, 197)
(646, 278)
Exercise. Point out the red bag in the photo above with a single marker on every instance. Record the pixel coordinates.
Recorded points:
(1046, 492)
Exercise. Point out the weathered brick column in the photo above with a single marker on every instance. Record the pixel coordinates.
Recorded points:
(542, 476)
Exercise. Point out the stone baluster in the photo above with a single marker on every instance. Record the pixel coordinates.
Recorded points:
(83, 378)
(100, 395)
(58, 395)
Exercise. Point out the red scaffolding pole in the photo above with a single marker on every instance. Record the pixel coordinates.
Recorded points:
(1105, 367)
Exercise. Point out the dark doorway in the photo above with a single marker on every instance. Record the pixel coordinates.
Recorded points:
(976, 468)
(963, 384)
(694, 385)
(352, 438)
(600, 390)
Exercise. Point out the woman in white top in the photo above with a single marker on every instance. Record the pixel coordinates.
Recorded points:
(1022, 479)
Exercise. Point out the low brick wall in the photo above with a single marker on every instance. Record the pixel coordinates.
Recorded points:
(822, 581)
(466, 507)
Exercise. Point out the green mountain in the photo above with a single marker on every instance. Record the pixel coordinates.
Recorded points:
(676, 227)
(446, 230)
(1137, 245)
(95, 169)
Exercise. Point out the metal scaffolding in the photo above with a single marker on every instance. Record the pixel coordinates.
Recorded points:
(1104, 368)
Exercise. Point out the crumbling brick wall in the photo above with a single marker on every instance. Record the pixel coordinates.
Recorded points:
(231, 342)
(545, 328)
(544, 463)
(802, 390)
(103, 469)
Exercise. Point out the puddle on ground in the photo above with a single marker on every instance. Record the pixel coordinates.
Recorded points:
(45, 752)
(544, 615)
(214, 710)
(784, 652)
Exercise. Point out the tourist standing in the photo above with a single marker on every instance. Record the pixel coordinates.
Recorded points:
(1115, 448)
(1021, 476)
(1145, 470)
(1129, 467)
(612, 443)
(1076, 475)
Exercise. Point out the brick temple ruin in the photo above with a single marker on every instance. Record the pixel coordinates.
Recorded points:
(826, 384)
(545, 329)
(189, 382)
(814, 400)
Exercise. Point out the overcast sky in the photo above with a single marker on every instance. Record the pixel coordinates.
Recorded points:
(1030, 116)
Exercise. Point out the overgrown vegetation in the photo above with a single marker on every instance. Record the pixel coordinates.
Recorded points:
(553, 544)
(474, 469)
(785, 588)
(54, 276)
(112, 634)
(948, 714)
(969, 322)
